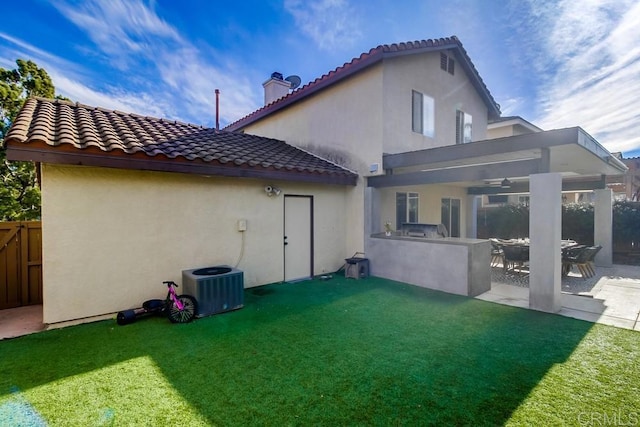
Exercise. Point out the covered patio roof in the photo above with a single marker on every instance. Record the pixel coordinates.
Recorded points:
(481, 165)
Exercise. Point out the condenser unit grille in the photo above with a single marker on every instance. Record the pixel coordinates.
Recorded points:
(217, 293)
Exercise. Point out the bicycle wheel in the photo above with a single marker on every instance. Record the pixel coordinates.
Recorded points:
(188, 312)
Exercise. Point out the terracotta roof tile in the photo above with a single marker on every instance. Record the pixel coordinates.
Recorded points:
(55, 125)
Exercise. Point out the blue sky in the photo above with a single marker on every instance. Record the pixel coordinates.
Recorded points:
(557, 63)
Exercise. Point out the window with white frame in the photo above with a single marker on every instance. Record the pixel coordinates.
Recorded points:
(463, 127)
(406, 208)
(422, 114)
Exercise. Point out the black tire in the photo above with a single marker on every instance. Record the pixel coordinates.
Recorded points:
(126, 317)
(153, 306)
(187, 314)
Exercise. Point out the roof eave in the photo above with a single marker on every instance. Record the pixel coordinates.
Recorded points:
(39, 155)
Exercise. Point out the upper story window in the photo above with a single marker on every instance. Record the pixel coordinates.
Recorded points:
(447, 63)
(463, 127)
(422, 114)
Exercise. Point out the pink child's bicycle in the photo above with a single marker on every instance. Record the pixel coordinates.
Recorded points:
(178, 308)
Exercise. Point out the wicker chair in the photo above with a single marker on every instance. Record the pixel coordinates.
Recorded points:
(497, 254)
(582, 258)
(570, 254)
(515, 257)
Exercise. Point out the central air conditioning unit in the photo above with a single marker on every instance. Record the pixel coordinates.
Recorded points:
(217, 289)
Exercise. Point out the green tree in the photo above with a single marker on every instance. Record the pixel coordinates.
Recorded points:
(19, 192)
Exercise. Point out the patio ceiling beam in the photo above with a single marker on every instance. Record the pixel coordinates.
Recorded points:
(523, 187)
(516, 187)
(458, 174)
(482, 148)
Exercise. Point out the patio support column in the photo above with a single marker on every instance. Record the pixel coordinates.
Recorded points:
(472, 216)
(603, 226)
(545, 231)
(372, 211)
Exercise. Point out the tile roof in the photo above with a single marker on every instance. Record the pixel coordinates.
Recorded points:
(80, 134)
(369, 58)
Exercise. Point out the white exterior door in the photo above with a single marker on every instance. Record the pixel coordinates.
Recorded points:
(298, 237)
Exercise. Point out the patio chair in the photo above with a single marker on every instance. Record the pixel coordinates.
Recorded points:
(515, 257)
(570, 254)
(497, 254)
(583, 260)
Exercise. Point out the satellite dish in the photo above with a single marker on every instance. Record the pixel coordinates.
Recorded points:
(294, 80)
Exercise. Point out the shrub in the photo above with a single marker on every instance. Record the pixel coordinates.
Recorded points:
(511, 221)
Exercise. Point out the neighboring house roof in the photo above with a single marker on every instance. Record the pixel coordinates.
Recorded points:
(373, 57)
(54, 131)
(512, 120)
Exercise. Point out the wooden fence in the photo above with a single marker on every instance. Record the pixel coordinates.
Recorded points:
(20, 264)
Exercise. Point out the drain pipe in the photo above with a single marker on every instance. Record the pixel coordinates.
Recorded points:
(217, 109)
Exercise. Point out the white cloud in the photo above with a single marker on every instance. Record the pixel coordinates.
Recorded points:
(511, 106)
(174, 79)
(67, 78)
(120, 28)
(115, 99)
(19, 49)
(594, 64)
(330, 24)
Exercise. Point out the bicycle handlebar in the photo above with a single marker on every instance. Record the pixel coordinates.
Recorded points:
(170, 283)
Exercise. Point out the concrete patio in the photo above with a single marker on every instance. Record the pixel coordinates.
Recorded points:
(611, 297)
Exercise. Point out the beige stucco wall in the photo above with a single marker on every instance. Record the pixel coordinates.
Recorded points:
(498, 131)
(358, 119)
(110, 237)
(450, 93)
(342, 124)
(429, 203)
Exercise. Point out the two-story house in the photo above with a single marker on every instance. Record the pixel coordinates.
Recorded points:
(397, 135)
(393, 99)
(413, 120)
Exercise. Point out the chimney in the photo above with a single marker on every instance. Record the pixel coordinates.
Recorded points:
(275, 88)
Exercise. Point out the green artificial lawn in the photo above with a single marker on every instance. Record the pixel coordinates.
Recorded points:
(336, 352)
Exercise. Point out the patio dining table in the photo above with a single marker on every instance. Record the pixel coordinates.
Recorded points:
(517, 251)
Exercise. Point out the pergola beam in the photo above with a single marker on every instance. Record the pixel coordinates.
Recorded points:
(523, 187)
(477, 149)
(457, 174)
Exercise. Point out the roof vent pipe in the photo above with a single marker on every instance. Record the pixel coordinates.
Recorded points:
(217, 109)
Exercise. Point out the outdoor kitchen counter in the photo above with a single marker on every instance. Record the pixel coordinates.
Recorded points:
(450, 264)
